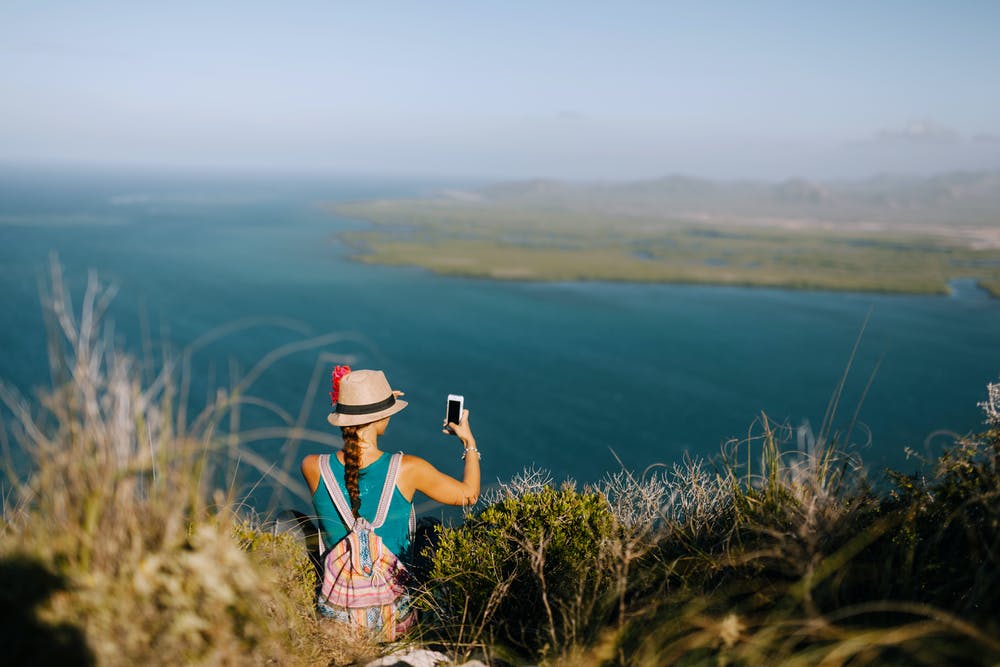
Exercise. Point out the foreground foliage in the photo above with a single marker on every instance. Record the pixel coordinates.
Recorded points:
(799, 562)
(530, 570)
(114, 548)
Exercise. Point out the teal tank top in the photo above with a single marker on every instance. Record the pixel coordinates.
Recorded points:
(395, 532)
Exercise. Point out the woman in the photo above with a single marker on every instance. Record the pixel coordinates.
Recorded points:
(363, 402)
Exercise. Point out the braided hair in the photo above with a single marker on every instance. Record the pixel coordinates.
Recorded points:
(352, 466)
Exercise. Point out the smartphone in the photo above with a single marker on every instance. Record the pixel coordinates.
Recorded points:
(456, 404)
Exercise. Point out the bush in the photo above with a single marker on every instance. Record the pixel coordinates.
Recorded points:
(802, 572)
(946, 548)
(799, 561)
(531, 572)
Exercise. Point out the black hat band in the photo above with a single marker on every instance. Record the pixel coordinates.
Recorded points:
(366, 409)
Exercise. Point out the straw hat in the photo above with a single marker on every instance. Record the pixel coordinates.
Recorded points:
(364, 396)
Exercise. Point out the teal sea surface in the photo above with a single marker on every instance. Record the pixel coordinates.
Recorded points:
(572, 378)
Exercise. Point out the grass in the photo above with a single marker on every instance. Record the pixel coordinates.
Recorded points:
(793, 560)
(553, 244)
(118, 546)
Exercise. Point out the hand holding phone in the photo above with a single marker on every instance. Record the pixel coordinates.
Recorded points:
(456, 414)
(453, 414)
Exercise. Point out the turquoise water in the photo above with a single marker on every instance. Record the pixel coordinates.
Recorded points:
(555, 375)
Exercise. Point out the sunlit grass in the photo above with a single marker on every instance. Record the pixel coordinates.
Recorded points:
(119, 546)
(774, 555)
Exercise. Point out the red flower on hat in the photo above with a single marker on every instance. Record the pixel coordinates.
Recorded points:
(338, 373)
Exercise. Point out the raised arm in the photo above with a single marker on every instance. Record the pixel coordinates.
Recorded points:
(419, 475)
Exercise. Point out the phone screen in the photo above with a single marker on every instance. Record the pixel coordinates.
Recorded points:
(454, 409)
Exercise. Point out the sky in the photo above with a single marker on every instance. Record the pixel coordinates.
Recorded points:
(479, 88)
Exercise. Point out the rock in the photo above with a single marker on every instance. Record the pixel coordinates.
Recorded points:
(412, 657)
(420, 657)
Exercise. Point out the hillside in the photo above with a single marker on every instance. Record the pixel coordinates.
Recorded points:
(957, 198)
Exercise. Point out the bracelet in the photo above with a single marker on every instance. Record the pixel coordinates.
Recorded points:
(472, 449)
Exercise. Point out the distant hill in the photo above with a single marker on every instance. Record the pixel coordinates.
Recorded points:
(887, 234)
(955, 198)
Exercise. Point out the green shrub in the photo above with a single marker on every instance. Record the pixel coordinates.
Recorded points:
(797, 571)
(531, 572)
(946, 549)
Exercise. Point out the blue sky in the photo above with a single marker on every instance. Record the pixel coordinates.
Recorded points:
(505, 89)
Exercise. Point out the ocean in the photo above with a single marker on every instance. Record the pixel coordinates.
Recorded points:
(577, 379)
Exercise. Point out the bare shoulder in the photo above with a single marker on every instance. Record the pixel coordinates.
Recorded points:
(413, 472)
(310, 471)
(310, 462)
(411, 462)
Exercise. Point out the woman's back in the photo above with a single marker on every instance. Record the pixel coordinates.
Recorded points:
(395, 532)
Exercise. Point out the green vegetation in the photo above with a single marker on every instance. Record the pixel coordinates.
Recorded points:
(560, 241)
(992, 286)
(116, 547)
(799, 562)
(529, 571)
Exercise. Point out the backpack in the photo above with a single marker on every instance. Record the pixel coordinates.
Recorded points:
(363, 581)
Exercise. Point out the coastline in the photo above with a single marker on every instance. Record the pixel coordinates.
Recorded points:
(540, 246)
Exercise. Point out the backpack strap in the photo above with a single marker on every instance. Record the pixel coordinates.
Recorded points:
(336, 495)
(387, 488)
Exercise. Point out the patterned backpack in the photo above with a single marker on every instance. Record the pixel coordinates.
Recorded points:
(363, 581)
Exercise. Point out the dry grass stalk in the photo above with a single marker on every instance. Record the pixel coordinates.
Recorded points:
(138, 559)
